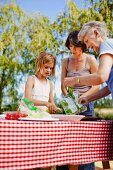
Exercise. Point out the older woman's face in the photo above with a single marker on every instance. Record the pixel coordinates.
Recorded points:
(92, 41)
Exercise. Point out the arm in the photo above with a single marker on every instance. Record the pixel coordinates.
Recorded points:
(51, 99)
(101, 93)
(63, 75)
(51, 105)
(93, 69)
(28, 87)
(102, 75)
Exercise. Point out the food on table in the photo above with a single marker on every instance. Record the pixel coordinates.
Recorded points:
(36, 112)
(28, 104)
(39, 114)
(15, 115)
(70, 103)
(59, 111)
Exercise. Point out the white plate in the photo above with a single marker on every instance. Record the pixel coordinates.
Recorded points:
(2, 116)
(68, 117)
(34, 119)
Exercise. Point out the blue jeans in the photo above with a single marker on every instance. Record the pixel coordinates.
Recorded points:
(89, 166)
(89, 111)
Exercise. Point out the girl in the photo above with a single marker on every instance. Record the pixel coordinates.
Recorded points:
(38, 88)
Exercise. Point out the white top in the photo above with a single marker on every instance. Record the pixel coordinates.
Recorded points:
(40, 91)
(106, 46)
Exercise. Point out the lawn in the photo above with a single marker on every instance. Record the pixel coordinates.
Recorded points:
(98, 165)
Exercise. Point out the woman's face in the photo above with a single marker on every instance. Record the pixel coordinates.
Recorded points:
(92, 41)
(76, 51)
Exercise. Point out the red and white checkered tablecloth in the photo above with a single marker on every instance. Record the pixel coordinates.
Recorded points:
(30, 144)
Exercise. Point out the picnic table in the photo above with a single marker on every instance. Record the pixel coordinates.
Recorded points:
(36, 144)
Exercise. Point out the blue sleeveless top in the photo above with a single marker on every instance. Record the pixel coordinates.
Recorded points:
(107, 47)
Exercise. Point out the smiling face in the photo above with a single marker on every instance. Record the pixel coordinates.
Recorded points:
(92, 41)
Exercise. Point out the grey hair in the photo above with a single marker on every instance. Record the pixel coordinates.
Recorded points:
(88, 28)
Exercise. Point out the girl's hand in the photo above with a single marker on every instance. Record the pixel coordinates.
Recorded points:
(51, 107)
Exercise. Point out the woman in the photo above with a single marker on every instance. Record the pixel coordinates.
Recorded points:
(95, 35)
(79, 64)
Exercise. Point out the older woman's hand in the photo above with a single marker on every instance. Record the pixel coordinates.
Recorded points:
(69, 81)
(83, 100)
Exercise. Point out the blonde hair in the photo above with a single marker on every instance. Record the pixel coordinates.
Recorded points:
(89, 27)
(44, 58)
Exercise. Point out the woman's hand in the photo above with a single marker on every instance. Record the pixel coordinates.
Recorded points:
(83, 100)
(69, 81)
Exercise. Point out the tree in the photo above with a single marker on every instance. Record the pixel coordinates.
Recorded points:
(105, 8)
(72, 18)
(22, 38)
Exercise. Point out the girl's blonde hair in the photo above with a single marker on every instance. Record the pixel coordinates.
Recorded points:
(44, 58)
(89, 27)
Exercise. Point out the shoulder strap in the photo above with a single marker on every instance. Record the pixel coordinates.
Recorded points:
(87, 60)
(34, 79)
(67, 63)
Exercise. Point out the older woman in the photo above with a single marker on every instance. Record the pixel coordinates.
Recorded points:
(95, 35)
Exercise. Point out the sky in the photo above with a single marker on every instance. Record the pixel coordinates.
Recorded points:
(49, 8)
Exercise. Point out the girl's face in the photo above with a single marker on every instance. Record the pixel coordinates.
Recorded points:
(76, 51)
(92, 41)
(47, 69)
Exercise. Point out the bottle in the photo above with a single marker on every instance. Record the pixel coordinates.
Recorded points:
(29, 104)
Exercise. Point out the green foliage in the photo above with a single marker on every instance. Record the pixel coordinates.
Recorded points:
(104, 103)
(70, 92)
(105, 8)
(23, 36)
(105, 116)
(72, 18)
(10, 107)
(40, 35)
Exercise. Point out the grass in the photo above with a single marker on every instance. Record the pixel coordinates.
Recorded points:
(104, 113)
